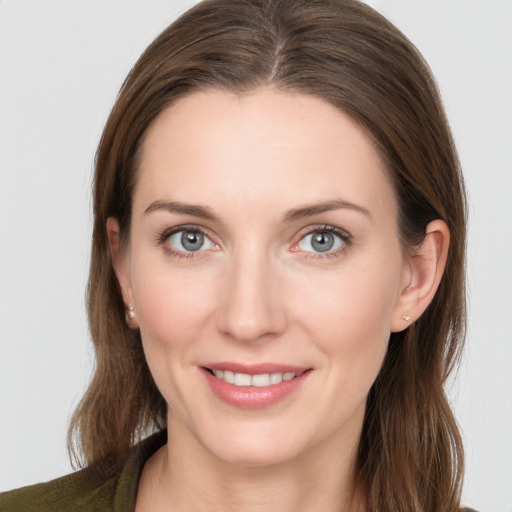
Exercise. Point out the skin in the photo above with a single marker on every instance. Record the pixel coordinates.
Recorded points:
(259, 291)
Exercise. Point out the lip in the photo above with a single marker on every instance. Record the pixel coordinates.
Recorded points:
(251, 397)
(254, 369)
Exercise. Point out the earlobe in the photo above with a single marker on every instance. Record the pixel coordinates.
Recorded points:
(121, 267)
(425, 268)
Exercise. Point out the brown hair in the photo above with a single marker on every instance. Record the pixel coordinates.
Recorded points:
(410, 454)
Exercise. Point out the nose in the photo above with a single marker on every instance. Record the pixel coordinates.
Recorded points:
(251, 303)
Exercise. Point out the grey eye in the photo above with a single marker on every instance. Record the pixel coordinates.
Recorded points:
(192, 240)
(320, 241)
(189, 240)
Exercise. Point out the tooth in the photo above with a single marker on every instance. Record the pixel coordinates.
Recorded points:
(242, 379)
(261, 380)
(276, 378)
(229, 377)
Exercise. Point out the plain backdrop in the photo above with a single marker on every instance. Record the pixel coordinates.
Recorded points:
(61, 65)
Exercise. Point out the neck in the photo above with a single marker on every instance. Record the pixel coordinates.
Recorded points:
(184, 476)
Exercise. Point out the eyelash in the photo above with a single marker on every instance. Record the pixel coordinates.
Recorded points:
(165, 235)
(343, 235)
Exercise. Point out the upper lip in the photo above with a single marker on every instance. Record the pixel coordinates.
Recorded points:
(255, 369)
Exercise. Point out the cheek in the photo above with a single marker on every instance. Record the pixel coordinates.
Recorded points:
(169, 305)
(172, 306)
(348, 316)
(349, 303)
(173, 312)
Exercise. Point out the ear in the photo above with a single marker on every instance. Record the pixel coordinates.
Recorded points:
(121, 264)
(422, 275)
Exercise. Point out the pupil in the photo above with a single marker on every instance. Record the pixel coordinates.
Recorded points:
(192, 241)
(322, 242)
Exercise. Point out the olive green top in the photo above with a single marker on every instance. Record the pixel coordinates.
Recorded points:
(77, 493)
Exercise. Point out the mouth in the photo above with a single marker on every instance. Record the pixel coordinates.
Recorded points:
(256, 386)
(259, 380)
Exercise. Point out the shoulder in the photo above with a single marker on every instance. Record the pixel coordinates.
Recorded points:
(78, 492)
(71, 492)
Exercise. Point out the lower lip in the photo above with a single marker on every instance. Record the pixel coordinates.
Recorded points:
(252, 397)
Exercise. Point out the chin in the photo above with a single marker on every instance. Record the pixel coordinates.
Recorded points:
(255, 455)
(256, 445)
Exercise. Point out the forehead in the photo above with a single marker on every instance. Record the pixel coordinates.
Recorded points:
(264, 146)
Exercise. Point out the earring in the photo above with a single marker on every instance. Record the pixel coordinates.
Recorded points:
(131, 312)
(406, 317)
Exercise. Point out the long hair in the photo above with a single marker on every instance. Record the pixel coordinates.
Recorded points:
(410, 456)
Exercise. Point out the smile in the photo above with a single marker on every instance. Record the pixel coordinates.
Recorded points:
(253, 387)
(260, 380)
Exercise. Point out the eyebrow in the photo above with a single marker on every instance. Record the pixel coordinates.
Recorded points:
(309, 210)
(290, 215)
(181, 208)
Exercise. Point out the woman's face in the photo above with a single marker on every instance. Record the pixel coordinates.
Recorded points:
(263, 247)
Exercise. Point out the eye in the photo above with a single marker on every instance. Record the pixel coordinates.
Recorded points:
(189, 240)
(326, 240)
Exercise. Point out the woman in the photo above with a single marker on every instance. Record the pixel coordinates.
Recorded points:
(276, 282)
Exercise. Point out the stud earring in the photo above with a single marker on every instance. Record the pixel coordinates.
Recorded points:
(406, 317)
(131, 312)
